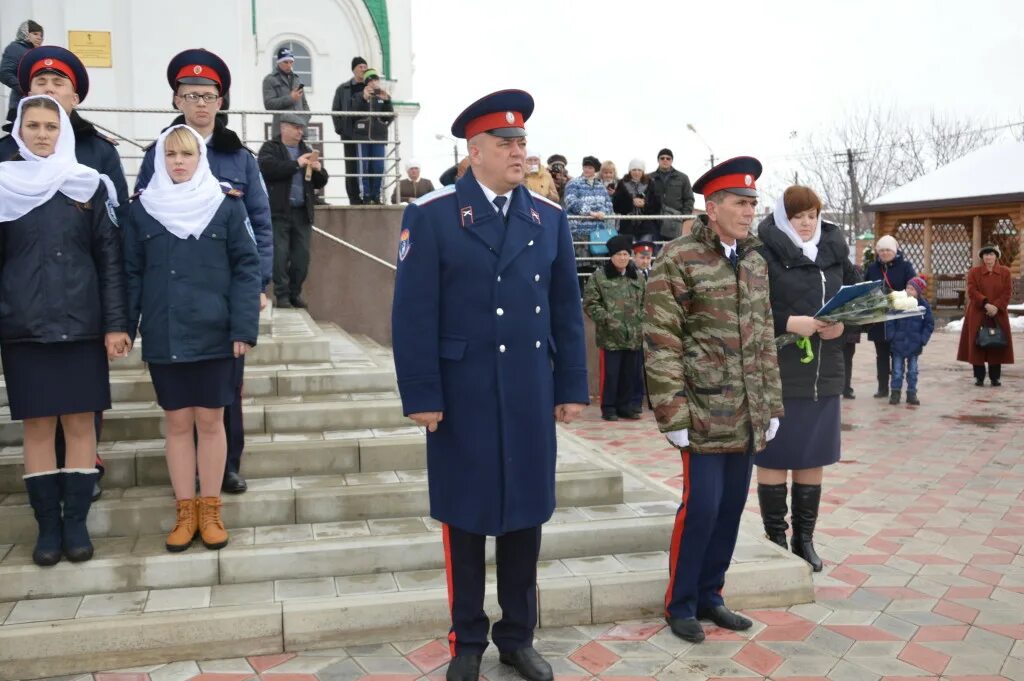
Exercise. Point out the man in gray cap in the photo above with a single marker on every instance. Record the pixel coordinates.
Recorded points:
(293, 172)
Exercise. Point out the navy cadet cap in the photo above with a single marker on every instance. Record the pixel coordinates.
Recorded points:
(53, 59)
(736, 176)
(198, 67)
(503, 114)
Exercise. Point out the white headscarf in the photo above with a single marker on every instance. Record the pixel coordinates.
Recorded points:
(183, 209)
(28, 184)
(810, 247)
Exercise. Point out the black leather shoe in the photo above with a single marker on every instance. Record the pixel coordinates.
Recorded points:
(464, 668)
(848, 394)
(688, 629)
(528, 662)
(725, 618)
(995, 383)
(882, 392)
(631, 415)
(97, 491)
(298, 301)
(233, 483)
(283, 303)
(610, 417)
(979, 382)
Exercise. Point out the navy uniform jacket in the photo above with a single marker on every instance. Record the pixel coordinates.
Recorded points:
(195, 296)
(91, 149)
(488, 328)
(231, 162)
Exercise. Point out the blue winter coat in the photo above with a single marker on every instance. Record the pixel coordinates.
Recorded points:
(233, 163)
(909, 336)
(195, 296)
(488, 328)
(894, 276)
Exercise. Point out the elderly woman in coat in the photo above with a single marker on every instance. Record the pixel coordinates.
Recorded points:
(988, 294)
(895, 272)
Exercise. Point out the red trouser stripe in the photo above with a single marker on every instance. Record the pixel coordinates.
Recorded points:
(446, 539)
(600, 360)
(677, 531)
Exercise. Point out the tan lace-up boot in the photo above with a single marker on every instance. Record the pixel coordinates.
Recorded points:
(185, 527)
(211, 527)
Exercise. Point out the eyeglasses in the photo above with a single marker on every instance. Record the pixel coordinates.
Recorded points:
(664, 158)
(194, 97)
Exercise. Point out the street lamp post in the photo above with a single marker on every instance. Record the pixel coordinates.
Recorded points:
(455, 145)
(689, 126)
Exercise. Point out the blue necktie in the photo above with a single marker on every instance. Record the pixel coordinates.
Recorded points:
(499, 203)
(734, 258)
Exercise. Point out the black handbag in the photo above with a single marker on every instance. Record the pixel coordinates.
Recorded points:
(990, 337)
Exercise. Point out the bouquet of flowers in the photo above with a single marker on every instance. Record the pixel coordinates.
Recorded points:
(859, 304)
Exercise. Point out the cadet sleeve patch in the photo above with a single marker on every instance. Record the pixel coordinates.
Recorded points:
(404, 245)
(248, 228)
(111, 213)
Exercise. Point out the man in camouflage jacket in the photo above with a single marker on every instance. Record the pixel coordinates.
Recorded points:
(713, 378)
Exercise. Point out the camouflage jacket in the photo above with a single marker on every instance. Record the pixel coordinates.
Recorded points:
(710, 345)
(616, 304)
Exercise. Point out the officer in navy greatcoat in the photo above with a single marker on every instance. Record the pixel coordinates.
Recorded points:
(58, 72)
(489, 351)
(197, 75)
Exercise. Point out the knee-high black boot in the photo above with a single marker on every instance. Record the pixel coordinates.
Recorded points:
(78, 486)
(806, 499)
(44, 492)
(772, 499)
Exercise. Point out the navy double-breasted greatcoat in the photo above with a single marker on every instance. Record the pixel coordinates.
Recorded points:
(488, 329)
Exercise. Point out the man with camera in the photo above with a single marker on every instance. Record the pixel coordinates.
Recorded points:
(372, 133)
(556, 166)
(283, 89)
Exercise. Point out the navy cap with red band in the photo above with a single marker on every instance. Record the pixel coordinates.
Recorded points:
(503, 114)
(198, 67)
(53, 59)
(736, 176)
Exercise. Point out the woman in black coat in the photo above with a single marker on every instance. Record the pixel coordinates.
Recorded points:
(806, 259)
(635, 195)
(62, 315)
(895, 272)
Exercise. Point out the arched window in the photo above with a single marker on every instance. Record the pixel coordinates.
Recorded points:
(303, 62)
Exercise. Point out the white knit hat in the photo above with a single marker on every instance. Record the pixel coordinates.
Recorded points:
(412, 163)
(638, 164)
(887, 243)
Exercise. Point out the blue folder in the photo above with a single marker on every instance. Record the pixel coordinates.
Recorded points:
(846, 294)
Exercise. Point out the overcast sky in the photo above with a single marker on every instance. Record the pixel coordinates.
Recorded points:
(622, 79)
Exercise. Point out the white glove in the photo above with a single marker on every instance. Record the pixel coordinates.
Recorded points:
(680, 438)
(773, 427)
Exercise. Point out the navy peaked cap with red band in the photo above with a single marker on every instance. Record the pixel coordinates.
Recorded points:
(736, 176)
(503, 113)
(198, 67)
(53, 59)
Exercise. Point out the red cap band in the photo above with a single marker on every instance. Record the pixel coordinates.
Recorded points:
(734, 181)
(643, 248)
(493, 121)
(198, 71)
(50, 64)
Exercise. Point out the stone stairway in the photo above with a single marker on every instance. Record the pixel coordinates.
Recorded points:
(332, 545)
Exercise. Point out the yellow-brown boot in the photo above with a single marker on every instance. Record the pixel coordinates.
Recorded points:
(185, 527)
(211, 527)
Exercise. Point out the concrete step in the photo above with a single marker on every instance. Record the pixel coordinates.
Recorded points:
(79, 634)
(141, 463)
(311, 551)
(284, 501)
(289, 414)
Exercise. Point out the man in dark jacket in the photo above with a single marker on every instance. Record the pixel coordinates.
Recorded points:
(675, 191)
(372, 133)
(283, 89)
(343, 126)
(293, 174)
(201, 82)
(29, 35)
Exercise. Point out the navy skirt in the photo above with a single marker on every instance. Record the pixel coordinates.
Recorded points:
(209, 383)
(50, 379)
(808, 437)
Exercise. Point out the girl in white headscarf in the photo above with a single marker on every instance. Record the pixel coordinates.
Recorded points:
(193, 276)
(62, 314)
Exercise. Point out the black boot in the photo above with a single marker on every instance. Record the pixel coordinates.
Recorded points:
(773, 511)
(78, 484)
(894, 397)
(912, 397)
(806, 499)
(44, 495)
(883, 391)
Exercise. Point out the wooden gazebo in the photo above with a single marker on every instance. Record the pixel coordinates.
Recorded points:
(941, 219)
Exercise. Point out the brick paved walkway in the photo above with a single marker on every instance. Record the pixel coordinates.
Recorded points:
(921, 531)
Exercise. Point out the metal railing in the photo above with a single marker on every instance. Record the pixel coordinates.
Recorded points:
(252, 120)
(587, 263)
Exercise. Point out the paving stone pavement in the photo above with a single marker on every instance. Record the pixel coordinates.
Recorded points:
(921, 530)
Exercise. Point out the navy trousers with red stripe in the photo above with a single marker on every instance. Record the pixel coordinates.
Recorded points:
(234, 429)
(707, 523)
(516, 556)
